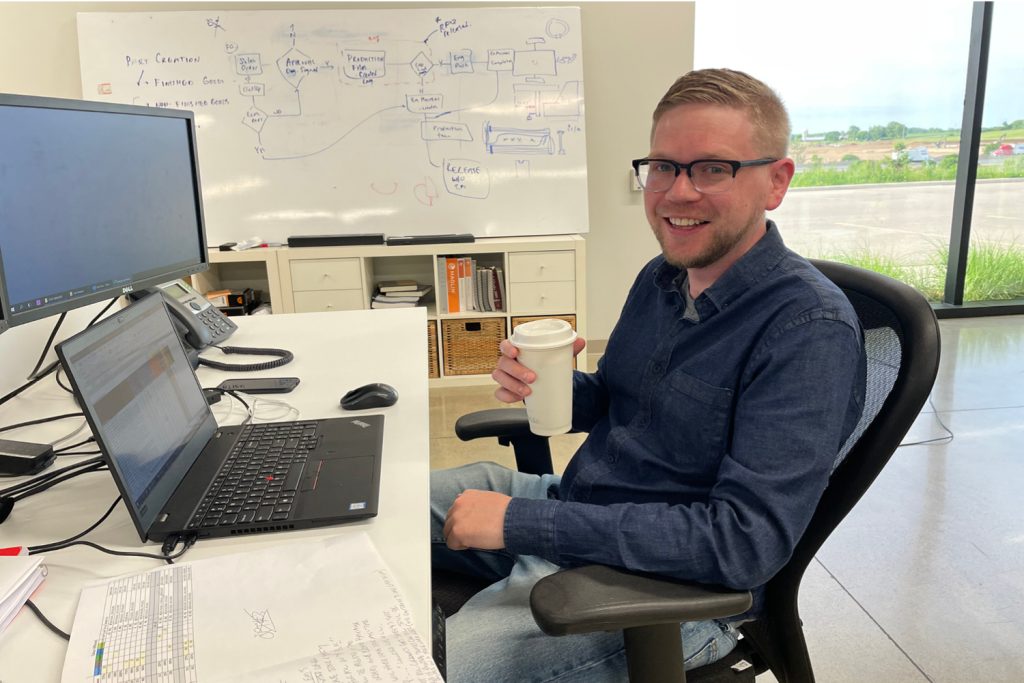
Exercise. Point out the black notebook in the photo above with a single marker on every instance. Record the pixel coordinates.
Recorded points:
(178, 472)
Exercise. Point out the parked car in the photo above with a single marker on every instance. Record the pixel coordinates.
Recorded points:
(1004, 150)
(913, 154)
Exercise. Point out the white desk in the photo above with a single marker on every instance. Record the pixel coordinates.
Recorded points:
(334, 352)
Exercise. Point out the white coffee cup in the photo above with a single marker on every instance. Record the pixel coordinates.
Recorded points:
(545, 346)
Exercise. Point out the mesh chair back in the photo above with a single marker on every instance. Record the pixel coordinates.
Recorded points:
(901, 340)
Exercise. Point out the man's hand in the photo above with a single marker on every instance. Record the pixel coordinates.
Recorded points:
(476, 520)
(513, 377)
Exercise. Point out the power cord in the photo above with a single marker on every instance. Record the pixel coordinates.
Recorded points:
(939, 439)
(166, 555)
(11, 495)
(46, 348)
(251, 411)
(46, 622)
(40, 421)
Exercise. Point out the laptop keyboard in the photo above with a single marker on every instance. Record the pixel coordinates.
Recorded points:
(260, 477)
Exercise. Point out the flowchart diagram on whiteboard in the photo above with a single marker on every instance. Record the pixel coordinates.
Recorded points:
(403, 122)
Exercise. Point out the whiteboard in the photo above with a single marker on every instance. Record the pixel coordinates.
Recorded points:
(394, 121)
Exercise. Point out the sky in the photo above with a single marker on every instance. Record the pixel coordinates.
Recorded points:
(866, 63)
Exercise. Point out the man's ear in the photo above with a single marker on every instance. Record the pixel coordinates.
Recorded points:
(781, 173)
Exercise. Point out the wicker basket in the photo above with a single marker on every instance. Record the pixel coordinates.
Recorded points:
(516, 321)
(433, 368)
(571, 319)
(471, 345)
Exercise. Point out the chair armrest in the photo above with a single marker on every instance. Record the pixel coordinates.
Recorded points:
(600, 598)
(512, 427)
(500, 422)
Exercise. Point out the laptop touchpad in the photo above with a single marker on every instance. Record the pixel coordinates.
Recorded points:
(329, 482)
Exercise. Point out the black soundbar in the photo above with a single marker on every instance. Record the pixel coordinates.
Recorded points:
(335, 240)
(429, 239)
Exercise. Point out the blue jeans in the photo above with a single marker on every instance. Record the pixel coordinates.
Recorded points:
(494, 638)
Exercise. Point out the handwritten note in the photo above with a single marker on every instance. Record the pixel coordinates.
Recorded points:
(326, 611)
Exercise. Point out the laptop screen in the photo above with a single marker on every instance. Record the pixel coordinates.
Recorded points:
(142, 400)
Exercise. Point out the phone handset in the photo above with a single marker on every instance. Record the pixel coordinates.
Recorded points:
(196, 319)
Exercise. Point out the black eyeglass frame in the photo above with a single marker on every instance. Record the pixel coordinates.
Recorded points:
(679, 168)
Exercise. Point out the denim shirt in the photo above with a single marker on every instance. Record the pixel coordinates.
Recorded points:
(711, 440)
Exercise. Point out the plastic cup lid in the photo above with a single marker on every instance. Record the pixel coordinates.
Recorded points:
(543, 334)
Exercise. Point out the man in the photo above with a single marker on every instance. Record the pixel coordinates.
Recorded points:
(731, 381)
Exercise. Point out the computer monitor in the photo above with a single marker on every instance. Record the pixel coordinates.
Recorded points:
(96, 200)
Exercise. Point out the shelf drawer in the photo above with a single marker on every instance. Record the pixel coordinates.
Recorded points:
(331, 300)
(324, 274)
(542, 297)
(541, 266)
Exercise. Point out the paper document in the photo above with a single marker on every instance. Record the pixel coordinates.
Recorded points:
(19, 577)
(301, 611)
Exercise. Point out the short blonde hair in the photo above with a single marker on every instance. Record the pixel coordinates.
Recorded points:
(737, 90)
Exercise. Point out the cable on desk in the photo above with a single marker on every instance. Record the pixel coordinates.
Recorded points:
(41, 420)
(169, 545)
(125, 553)
(11, 495)
(63, 450)
(46, 348)
(71, 434)
(37, 374)
(50, 368)
(57, 545)
(49, 624)
(61, 384)
(283, 358)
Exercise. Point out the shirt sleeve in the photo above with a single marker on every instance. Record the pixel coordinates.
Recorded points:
(791, 416)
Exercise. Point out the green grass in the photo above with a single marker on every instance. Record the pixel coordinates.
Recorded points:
(995, 272)
(870, 172)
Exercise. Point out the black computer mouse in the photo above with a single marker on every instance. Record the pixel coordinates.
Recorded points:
(376, 395)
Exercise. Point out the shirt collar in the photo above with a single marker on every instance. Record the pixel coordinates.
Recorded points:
(741, 276)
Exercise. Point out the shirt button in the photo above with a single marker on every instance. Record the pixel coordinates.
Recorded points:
(658, 368)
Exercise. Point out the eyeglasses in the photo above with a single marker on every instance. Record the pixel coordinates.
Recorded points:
(709, 176)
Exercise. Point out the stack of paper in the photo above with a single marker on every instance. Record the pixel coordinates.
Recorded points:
(19, 577)
(299, 611)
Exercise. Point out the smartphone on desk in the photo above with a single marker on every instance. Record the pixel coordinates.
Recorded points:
(260, 385)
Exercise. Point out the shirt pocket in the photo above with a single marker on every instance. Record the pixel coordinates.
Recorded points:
(693, 421)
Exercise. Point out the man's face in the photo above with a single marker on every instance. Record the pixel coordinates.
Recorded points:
(701, 231)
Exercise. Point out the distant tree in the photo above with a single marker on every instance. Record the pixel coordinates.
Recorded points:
(833, 136)
(895, 130)
(853, 133)
(876, 133)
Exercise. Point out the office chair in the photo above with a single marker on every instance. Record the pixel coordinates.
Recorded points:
(902, 343)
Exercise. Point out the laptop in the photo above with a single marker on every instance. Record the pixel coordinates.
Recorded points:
(171, 461)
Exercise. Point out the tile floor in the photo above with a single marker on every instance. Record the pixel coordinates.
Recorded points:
(924, 581)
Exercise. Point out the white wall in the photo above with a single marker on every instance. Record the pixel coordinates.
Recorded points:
(632, 52)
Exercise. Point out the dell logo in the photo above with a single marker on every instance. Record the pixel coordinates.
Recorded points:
(125, 290)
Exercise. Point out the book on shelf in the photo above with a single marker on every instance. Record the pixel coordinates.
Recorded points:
(399, 299)
(442, 283)
(388, 286)
(386, 303)
(452, 282)
(421, 291)
(469, 286)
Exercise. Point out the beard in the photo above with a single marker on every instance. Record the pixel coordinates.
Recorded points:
(721, 243)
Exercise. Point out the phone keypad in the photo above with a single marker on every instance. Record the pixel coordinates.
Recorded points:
(215, 321)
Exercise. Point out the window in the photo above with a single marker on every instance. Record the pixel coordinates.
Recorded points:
(876, 98)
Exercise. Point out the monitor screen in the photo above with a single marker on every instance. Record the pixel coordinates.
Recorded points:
(96, 200)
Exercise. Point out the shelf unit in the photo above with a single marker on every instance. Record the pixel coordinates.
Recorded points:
(543, 276)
